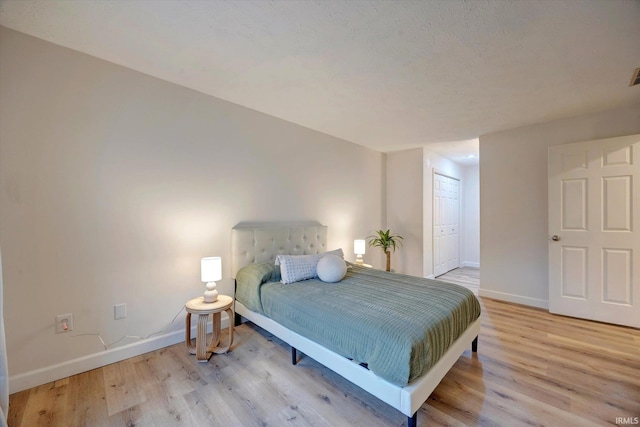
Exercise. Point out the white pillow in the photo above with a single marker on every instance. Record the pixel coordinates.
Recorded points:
(294, 268)
(331, 268)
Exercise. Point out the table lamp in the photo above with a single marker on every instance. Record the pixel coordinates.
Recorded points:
(210, 271)
(359, 250)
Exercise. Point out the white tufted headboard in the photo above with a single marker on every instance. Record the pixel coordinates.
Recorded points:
(261, 243)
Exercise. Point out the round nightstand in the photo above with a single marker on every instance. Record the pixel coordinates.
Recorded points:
(202, 349)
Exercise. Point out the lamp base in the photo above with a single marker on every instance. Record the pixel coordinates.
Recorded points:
(359, 260)
(211, 294)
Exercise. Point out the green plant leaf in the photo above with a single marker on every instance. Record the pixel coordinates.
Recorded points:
(385, 240)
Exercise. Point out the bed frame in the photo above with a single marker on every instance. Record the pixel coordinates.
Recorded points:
(261, 243)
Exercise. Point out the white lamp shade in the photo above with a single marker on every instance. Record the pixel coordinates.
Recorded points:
(359, 246)
(211, 269)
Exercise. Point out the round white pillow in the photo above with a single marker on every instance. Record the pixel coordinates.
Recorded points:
(331, 268)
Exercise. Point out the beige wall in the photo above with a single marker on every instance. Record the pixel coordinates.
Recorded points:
(114, 184)
(470, 217)
(404, 209)
(513, 209)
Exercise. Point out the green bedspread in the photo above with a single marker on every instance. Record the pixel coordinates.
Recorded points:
(398, 325)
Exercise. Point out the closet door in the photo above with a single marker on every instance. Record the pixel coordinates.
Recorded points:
(439, 224)
(453, 226)
(446, 213)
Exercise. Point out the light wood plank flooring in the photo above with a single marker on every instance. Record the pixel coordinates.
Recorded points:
(469, 277)
(532, 368)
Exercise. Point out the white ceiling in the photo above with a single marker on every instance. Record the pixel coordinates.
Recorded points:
(384, 74)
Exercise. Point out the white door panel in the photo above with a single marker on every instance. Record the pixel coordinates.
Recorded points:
(446, 213)
(439, 206)
(594, 209)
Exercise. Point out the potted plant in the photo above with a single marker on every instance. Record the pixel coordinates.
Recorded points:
(386, 241)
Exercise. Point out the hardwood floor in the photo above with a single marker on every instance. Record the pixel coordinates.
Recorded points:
(532, 368)
(469, 277)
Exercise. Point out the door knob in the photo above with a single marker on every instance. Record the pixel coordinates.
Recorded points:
(555, 237)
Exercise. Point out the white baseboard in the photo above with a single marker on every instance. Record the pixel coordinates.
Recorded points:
(97, 360)
(518, 299)
(470, 264)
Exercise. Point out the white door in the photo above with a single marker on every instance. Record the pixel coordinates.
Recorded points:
(594, 241)
(446, 213)
(453, 216)
(439, 218)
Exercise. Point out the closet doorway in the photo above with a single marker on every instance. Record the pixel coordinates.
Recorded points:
(446, 224)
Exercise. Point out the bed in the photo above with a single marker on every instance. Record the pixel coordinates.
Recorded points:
(255, 248)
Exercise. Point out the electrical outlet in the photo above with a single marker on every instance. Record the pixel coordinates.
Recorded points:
(64, 323)
(120, 311)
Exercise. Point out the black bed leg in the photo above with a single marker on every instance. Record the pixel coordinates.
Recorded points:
(237, 320)
(474, 345)
(413, 420)
(294, 356)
